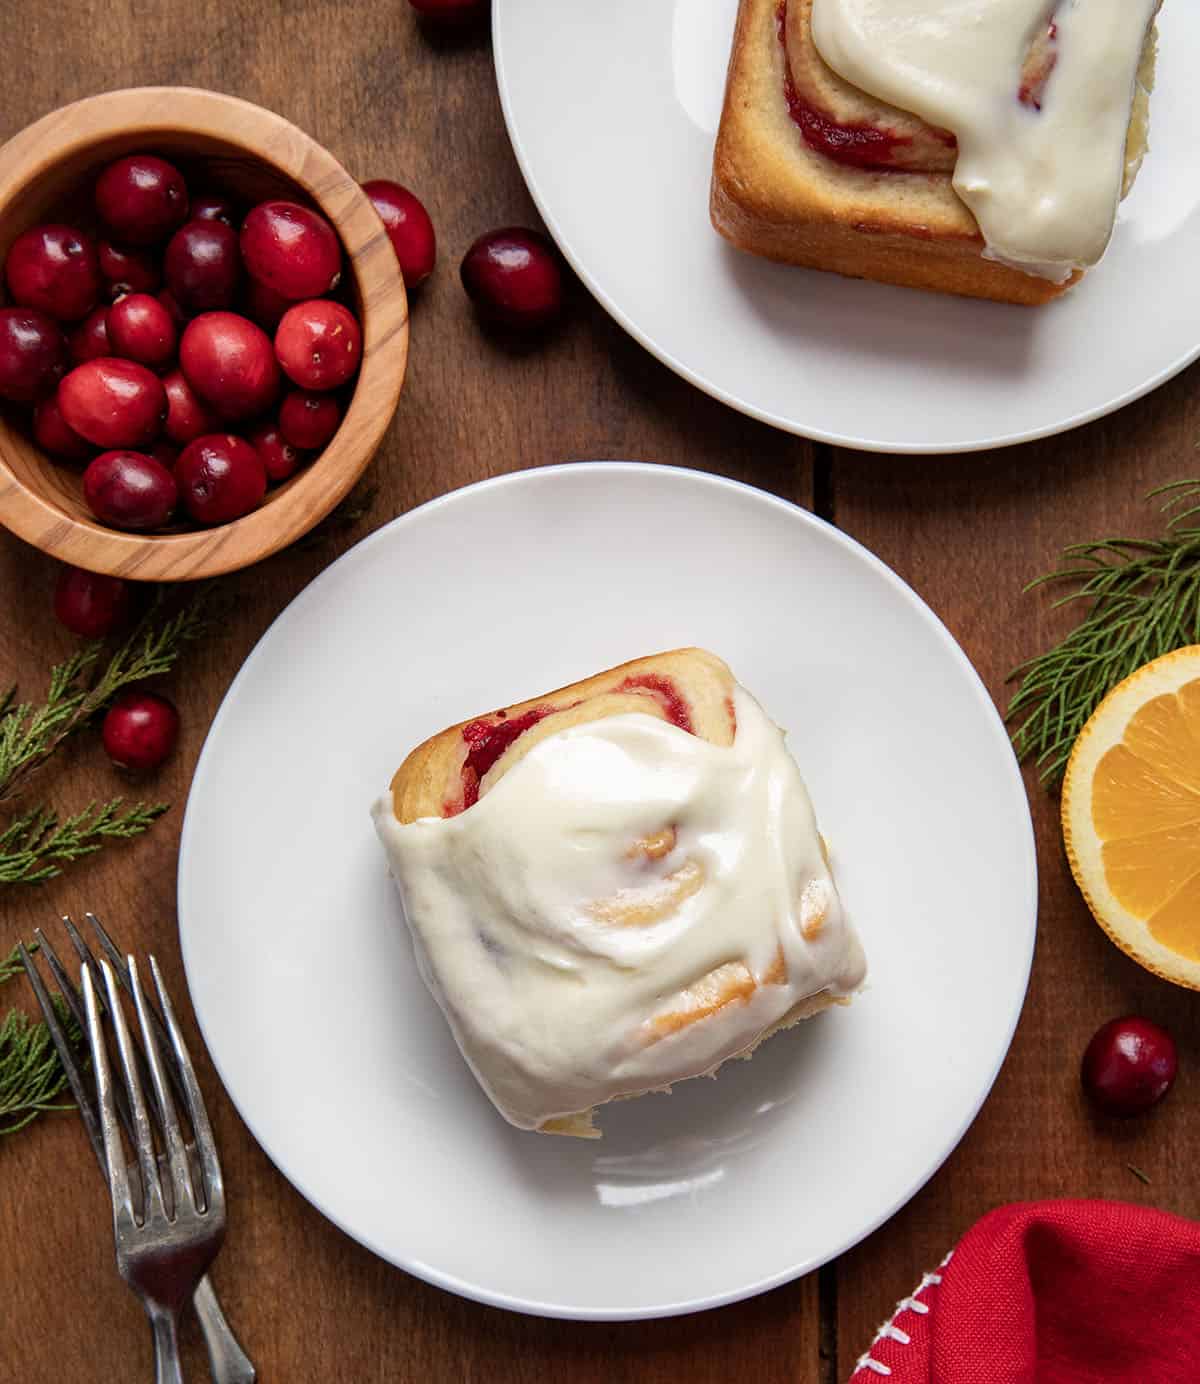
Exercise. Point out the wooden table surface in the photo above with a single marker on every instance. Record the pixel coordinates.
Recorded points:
(966, 532)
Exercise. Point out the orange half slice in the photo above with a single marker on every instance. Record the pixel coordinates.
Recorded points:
(1131, 815)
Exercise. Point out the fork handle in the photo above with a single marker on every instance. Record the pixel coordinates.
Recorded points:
(167, 1369)
(226, 1358)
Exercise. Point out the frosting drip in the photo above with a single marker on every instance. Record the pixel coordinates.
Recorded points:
(1041, 159)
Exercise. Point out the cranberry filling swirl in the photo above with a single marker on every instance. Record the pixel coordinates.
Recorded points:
(688, 688)
(489, 738)
(851, 127)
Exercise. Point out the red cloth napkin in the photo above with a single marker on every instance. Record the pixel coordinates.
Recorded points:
(1052, 1292)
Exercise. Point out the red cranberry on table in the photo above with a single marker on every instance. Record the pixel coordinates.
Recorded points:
(52, 433)
(279, 458)
(141, 329)
(265, 306)
(89, 604)
(203, 266)
(113, 402)
(188, 416)
(513, 278)
(139, 730)
(309, 420)
(408, 226)
(230, 363)
(291, 249)
(319, 344)
(90, 339)
(126, 270)
(130, 490)
(214, 206)
(54, 269)
(221, 477)
(1129, 1065)
(33, 355)
(142, 199)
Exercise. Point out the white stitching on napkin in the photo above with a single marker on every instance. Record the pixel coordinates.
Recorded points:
(866, 1363)
(889, 1331)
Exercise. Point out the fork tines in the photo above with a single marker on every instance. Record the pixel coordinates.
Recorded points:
(160, 1059)
(153, 1205)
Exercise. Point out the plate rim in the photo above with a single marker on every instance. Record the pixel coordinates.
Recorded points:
(565, 1311)
(761, 415)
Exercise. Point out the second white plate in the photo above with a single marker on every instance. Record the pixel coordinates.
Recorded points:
(303, 976)
(612, 109)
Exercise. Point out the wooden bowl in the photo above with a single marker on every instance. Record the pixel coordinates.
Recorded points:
(48, 169)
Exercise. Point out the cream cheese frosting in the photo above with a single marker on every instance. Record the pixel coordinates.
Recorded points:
(1042, 178)
(576, 923)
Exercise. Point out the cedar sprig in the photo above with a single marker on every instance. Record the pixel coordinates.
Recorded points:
(31, 1077)
(35, 845)
(10, 965)
(30, 733)
(1143, 600)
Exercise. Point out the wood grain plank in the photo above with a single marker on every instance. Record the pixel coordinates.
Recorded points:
(967, 532)
(387, 101)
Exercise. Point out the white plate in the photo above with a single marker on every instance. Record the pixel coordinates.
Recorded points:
(612, 108)
(302, 973)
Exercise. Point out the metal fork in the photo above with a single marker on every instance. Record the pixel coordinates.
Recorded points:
(228, 1361)
(164, 1256)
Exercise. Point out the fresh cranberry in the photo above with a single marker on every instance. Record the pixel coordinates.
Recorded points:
(319, 344)
(90, 340)
(142, 198)
(308, 420)
(203, 266)
(291, 249)
(51, 433)
(450, 12)
(33, 355)
(169, 301)
(141, 329)
(408, 226)
(230, 363)
(214, 206)
(113, 402)
(139, 730)
(1129, 1065)
(127, 271)
(89, 604)
(279, 458)
(265, 306)
(130, 490)
(221, 477)
(512, 277)
(188, 417)
(54, 269)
